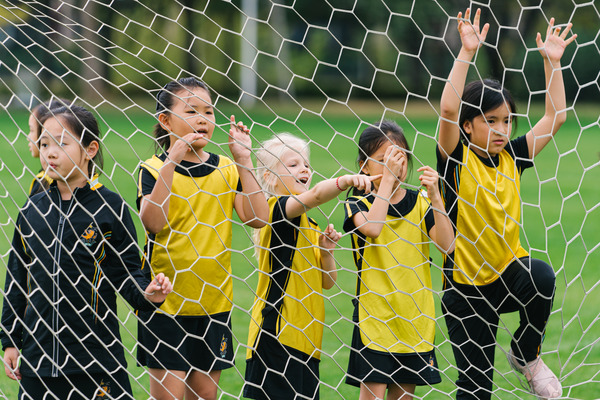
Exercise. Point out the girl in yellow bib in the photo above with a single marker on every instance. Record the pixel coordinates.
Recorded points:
(489, 272)
(393, 339)
(186, 199)
(296, 263)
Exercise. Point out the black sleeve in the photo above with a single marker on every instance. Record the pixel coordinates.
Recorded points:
(519, 150)
(352, 206)
(125, 265)
(15, 292)
(146, 183)
(429, 218)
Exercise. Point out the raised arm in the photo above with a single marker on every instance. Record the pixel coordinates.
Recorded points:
(251, 206)
(471, 38)
(552, 50)
(324, 191)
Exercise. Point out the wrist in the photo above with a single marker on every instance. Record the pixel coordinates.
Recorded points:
(243, 160)
(337, 184)
(466, 55)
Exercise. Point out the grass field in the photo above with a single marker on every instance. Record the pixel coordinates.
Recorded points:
(561, 220)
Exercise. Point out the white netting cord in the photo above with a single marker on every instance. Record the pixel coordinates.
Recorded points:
(138, 54)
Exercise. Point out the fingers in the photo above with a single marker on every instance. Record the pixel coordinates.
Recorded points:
(163, 283)
(477, 16)
(331, 234)
(549, 29)
(160, 283)
(566, 31)
(239, 126)
(11, 363)
(429, 178)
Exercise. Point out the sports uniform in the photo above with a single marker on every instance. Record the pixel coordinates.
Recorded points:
(39, 183)
(66, 261)
(284, 341)
(193, 326)
(490, 272)
(394, 313)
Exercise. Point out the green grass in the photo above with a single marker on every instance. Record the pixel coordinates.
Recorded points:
(561, 219)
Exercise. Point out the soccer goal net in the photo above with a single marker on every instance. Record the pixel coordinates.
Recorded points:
(324, 71)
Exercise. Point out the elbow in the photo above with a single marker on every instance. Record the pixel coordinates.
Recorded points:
(449, 113)
(328, 284)
(151, 225)
(372, 233)
(256, 223)
(559, 120)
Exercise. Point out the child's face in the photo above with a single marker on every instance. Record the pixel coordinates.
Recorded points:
(293, 172)
(192, 112)
(61, 154)
(376, 164)
(33, 137)
(490, 133)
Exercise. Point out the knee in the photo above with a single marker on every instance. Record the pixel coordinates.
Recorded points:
(543, 277)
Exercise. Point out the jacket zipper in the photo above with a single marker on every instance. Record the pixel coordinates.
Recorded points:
(55, 290)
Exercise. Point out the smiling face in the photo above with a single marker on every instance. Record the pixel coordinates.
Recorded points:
(61, 154)
(490, 133)
(293, 173)
(192, 112)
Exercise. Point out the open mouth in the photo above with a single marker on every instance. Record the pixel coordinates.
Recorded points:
(303, 181)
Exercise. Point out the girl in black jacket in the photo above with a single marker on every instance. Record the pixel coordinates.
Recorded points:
(74, 247)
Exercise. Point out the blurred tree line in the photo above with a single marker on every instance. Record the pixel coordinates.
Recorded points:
(340, 49)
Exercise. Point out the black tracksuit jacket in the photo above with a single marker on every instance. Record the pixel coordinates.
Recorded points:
(68, 260)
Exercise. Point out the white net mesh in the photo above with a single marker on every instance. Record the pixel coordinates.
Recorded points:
(322, 70)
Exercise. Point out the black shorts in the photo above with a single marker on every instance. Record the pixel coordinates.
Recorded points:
(95, 386)
(184, 343)
(278, 372)
(366, 365)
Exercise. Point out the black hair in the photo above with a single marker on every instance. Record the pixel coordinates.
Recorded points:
(81, 123)
(480, 97)
(164, 103)
(374, 136)
(43, 108)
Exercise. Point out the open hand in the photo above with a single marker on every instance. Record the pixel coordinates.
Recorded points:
(556, 42)
(471, 36)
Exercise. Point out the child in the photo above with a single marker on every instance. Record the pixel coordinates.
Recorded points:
(186, 199)
(295, 262)
(73, 247)
(489, 272)
(41, 180)
(393, 339)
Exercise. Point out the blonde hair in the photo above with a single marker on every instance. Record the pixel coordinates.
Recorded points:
(268, 156)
